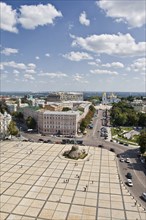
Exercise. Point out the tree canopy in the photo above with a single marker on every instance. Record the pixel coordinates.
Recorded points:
(123, 114)
(142, 142)
(31, 123)
(12, 129)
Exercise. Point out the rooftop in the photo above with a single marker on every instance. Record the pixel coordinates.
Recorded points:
(37, 183)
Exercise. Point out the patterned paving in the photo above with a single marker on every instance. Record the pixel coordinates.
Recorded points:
(38, 184)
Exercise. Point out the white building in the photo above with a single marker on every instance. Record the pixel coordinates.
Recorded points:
(53, 121)
(138, 105)
(5, 120)
(112, 98)
(64, 123)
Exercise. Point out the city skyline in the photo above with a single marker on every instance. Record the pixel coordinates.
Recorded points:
(89, 46)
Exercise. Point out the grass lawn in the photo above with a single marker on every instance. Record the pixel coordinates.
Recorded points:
(117, 134)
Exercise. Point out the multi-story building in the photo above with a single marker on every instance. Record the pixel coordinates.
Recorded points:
(62, 123)
(5, 120)
(139, 105)
(52, 120)
(65, 96)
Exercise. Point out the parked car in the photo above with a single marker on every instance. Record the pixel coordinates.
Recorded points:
(142, 160)
(41, 140)
(100, 145)
(122, 159)
(112, 149)
(129, 175)
(129, 182)
(127, 160)
(144, 196)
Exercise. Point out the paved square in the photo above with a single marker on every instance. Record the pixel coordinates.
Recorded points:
(37, 183)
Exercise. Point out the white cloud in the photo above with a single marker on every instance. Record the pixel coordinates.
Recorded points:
(120, 45)
(83, 19)
(29, 67)
(70, 26)
(79, 78)
(53, 75)
(114, 64)
(9, 51)
(77, 56)
(47, 55)
(37, 58)
(131, 12)
(8, 18)
(16, 72)
(28, 77)
(93, 63)
(13, 64)
(103, 72)
(32, 16)
(30, 71)
(139, 65)
(1, 66)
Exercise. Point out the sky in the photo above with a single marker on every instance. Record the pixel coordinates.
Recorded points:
(75, 45)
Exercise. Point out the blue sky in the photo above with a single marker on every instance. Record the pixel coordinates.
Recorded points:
(73, 45)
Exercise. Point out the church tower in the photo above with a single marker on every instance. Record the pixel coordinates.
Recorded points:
(104, 98)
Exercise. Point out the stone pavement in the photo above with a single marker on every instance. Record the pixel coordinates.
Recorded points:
(37, 183)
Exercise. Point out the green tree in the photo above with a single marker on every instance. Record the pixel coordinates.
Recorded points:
(142, 119)
(65, 109)
(31, 123)
(12, 129)
(142, 142)
(132, 119)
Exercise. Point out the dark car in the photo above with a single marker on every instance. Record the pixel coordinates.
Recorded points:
(45, 141)
(100, 145)
(112, 149)
(40, 140)
(129, 175)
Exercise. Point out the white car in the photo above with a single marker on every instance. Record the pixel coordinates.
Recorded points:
(127, 160)
(129, 182)
(144, 196)
(122, 159)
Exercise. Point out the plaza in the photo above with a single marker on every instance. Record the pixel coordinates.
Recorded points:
(38, 183)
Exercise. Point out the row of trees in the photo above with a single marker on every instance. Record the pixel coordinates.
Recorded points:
(123, 114)
(142, 141)
(85, 122)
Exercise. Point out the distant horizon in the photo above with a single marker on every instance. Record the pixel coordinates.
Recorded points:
(71, 91)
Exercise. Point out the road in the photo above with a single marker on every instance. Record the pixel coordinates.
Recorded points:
(136, 168)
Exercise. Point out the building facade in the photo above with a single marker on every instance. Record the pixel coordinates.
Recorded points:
(61, 123)
(65, 96)
(5, 120)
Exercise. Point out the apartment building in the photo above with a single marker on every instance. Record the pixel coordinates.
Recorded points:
(62, 123)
